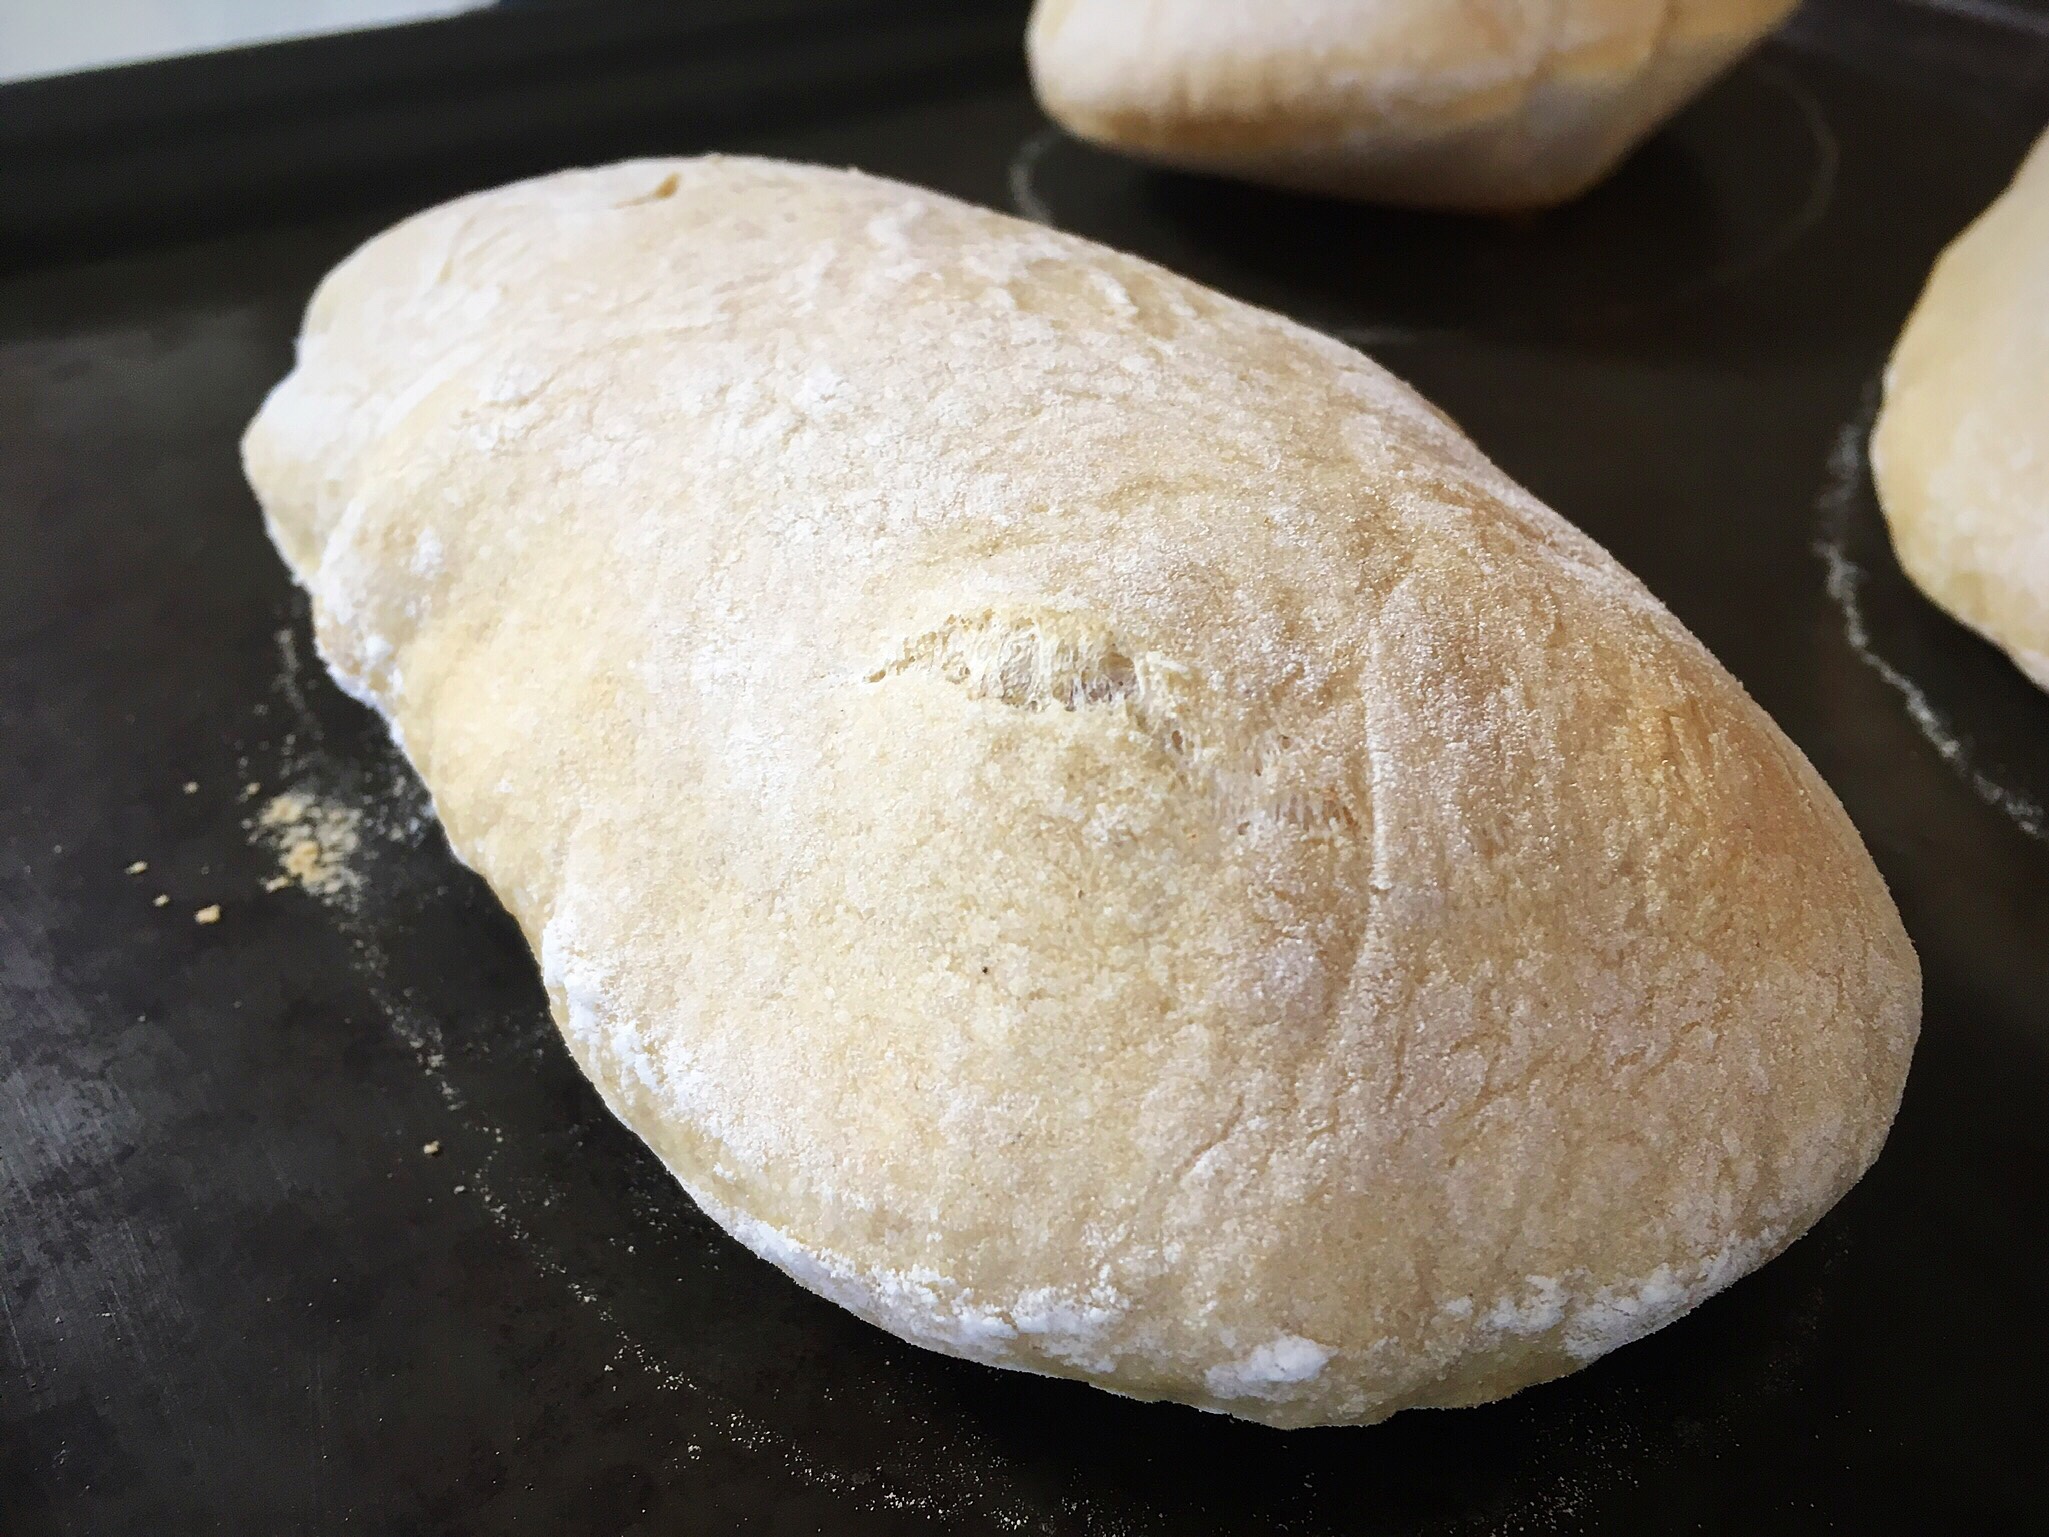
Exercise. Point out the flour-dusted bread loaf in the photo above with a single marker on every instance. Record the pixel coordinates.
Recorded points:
(1461, 104)
(1081, 819)
(1961, 453)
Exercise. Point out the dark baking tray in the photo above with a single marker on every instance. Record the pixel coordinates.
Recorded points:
(239, 1297)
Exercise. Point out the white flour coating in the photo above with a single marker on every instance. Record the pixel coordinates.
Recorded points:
(1085, 822)
(1269, 1369)
(1593, 1322)
(1616, 1316)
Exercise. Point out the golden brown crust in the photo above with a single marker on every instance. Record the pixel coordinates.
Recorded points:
(1082, 819)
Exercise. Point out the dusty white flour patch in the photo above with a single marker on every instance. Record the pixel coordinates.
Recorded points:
(1075, 1327)
(922, 1305)
(1538, 1310)
(1070, 1327)
(1842, 493)
(1024, 172)
(1615, 1316)
(1269, 1370)
(1591, 1322)
(289, 682)
(314, 841)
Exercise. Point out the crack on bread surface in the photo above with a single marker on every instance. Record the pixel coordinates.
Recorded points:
(1054, 660)
(1029, 662)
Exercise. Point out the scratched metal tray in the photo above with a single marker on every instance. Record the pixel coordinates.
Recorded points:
(238, 1294)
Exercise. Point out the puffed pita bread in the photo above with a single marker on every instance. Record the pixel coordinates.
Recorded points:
(1082, 820)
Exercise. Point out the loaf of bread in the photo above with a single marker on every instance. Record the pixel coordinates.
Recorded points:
(1478, 105)
(1961, 453)
(1081, 819)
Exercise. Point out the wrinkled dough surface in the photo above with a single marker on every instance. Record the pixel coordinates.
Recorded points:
(1485, 104)
(1082, 820)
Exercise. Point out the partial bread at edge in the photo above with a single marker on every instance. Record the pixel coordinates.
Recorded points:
(1082, 820)
(1961, 452)
(1481, 105)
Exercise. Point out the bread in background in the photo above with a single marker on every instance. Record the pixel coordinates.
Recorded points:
(1481, 105)
(1961, 452)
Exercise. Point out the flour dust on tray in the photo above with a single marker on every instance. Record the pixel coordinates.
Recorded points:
(314, 840)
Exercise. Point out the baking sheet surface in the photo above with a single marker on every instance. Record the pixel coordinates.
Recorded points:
(240, 1294)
